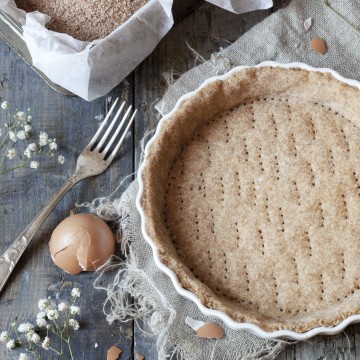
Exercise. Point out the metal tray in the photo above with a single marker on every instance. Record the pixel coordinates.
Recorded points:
(12, 33)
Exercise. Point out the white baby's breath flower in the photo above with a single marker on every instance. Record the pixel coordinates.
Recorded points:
(11, 344)
(25, 327)
(5, 105)
(43, 304)
(4, 336)
(41, 315)
(22, 135)
(29, 118)
(12, 136)
(29, 335)
(99, 117)
(41, 322)
(43, 138)
(27, 153)
(75, 292)
(52, 314)
(32, 146)
(53, 145)
(21, 328)
(27, 128)
(62, 306)
(11, 154)
(34, 164)
(51, 306)
(24, 356)
(74, 324)
(61, 159)
(74, 310)
(46, 343)
(35, 338)
(21, 115)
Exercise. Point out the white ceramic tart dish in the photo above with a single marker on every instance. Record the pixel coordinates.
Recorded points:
(249, 196)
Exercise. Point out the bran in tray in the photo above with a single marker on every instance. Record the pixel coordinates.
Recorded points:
(86, 19)
(252, 195)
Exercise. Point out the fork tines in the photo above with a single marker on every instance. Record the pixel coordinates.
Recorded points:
(104, 146)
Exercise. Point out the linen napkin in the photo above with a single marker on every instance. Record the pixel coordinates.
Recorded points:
(281, 37)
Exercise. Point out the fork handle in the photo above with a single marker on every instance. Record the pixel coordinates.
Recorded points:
(11, 256)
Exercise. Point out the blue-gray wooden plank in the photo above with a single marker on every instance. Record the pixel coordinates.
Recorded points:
(72, 121)
(22, 194)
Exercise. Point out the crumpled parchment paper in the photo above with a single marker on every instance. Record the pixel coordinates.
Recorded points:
(242, 6)
(92, 69)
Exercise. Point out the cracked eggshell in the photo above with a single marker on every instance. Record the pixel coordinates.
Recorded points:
(319, 45)
(81, 242)
(210, 331)
(113, 353)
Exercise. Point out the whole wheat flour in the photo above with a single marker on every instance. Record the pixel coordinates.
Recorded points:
(84, 19)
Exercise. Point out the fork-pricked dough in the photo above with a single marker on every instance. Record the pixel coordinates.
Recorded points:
(252, 195)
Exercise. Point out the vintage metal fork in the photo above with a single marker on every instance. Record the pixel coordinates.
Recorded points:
(95, 159)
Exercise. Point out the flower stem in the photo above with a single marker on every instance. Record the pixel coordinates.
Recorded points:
(56, 333)
(61, 344)
(70, 349)
(35, 353)
(55, 351)
(4, 155)
(4, 140)
(14, 168)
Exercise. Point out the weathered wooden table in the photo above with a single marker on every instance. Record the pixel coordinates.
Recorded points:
(73, 121)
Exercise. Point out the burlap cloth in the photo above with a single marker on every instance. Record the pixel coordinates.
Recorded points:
(281, 37)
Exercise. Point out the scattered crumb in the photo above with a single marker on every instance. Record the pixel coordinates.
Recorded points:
(319, 45)
(129, 333)
(140, 357)
(308, 23)
(194, 324)
(118, 238)
(96, 345)
(99, 117)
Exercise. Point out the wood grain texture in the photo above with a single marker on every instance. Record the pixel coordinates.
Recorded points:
(72, 121)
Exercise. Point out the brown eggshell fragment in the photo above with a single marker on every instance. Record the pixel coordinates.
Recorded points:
(210, 331)
(67, 260)
(113, 353)
(308, 23)
(74, 239)
(81, 242)
(91, 258)
(319, 45)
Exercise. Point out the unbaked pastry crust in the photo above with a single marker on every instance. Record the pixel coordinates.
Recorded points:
(252, 197)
